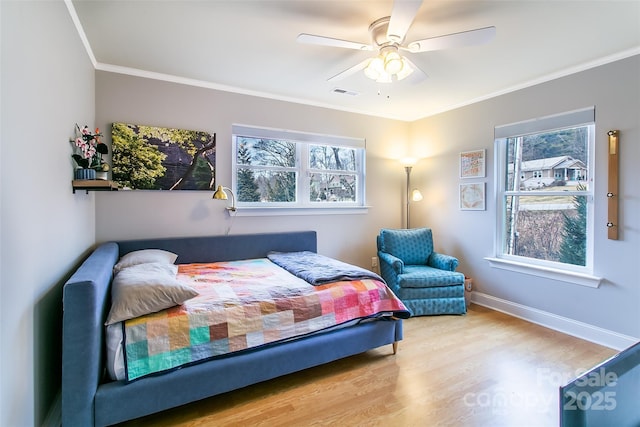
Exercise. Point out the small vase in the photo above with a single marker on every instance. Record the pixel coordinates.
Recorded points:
(102, 175)
(85, 174)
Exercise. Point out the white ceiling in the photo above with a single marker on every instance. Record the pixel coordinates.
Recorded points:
(249, 46)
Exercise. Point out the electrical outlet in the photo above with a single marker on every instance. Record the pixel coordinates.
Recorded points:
(468, 284)
(374, 261)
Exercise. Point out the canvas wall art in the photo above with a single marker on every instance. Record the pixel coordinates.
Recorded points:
(158, 158)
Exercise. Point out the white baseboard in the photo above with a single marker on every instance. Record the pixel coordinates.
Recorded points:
(565, 325)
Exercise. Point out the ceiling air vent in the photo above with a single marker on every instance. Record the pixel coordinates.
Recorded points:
(345, 92)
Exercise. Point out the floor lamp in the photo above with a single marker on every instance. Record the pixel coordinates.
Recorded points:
(414, 195)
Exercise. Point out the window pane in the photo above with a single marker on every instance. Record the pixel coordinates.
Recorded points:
(259, 185)
(551, 159)
(549, 228)
(332, 158)
(288, 169)
(328, 187)
(266, 152)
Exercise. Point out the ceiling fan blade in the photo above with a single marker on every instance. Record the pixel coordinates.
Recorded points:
(402, 15)
(464, 38)
(349, 71)
(328, 41)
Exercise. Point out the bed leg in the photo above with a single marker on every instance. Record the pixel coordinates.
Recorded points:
(395, 347)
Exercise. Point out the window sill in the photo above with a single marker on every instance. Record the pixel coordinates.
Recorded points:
(546, 272)
(282, 211)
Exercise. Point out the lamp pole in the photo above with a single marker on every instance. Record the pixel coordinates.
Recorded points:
(408, 170)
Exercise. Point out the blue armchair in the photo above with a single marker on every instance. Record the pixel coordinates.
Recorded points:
(426, 281)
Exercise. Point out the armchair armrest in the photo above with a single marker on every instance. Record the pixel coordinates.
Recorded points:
(442, 261)
(394, 262)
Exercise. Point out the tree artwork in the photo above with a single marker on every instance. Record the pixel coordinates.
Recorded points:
(156, 158)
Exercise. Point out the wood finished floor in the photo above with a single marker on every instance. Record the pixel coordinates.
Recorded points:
(481, 369)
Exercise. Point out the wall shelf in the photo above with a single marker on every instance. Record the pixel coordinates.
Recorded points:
(93, 185)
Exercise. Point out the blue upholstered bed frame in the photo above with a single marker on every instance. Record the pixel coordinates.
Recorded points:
(89, 398)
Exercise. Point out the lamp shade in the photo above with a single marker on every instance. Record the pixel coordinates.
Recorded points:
(375, 69)
(405, 71)
(393, 63)
(220, 194)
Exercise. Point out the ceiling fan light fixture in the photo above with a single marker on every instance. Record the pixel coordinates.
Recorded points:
(405, 71)
(393, 62)
(388, 66)
(375, 69)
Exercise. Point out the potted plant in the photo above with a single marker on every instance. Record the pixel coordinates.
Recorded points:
(88, 156)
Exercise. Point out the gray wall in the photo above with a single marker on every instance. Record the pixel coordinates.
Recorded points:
(47, 86)
(136, 214)
(614, 89)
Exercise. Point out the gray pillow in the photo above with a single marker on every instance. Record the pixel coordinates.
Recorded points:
(146, 288)
(144, 256)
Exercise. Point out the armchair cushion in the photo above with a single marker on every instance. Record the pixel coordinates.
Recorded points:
(412, 246)
(421, 276)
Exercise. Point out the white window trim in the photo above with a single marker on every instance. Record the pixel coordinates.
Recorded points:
(557, 271)
(284, 211)
(546, 272)
(304, 206)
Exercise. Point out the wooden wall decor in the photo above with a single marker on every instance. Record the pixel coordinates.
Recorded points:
(612, 194)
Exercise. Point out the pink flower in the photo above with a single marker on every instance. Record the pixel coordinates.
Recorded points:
(89, 149)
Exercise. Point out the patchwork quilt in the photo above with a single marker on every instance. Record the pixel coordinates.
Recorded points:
(243, 305)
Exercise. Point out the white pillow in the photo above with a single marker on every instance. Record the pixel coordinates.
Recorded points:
(144, 256)
(146, 288)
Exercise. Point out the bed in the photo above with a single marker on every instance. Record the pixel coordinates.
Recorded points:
(91, 398)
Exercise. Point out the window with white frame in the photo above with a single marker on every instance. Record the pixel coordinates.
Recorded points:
(544, 191)
(289, 169)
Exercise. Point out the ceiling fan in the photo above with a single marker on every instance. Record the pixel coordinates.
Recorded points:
(388, 39)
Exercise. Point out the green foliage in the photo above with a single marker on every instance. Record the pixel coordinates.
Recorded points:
(181, 137)
(81, 161)
(573, 249)
(202, 174)
(247, 186)
(566, 142)
(282, 187)
(136, 164)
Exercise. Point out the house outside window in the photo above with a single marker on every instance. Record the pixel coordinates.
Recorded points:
(275, 168)
(544, 192)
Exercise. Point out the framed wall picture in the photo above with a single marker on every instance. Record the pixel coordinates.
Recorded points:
(158, 158)
(472, 164)
(472, 196)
